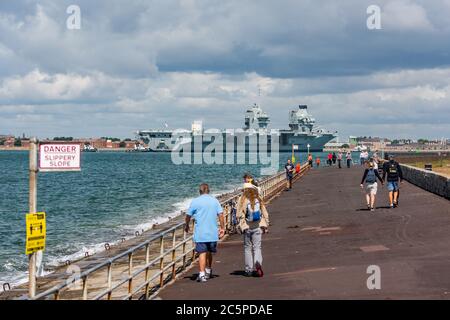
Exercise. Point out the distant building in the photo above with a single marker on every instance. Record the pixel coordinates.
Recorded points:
(131, 144)
(9, 141)
(25, 143)
(335, 146)
(352, 141)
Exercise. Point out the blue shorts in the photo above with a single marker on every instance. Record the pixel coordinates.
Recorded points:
(202, 247)
(392, 186)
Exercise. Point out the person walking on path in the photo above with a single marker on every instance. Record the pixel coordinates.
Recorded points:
(362, 158)
(289, 167)
(334, 157)
(330, 159)
(394, 173)
(369, 182)
(310, 160)
(298, 167)
(348, 156)
(376, 157)
(375, 162)
(253, 222)
(318, 162)
(339, 159)
(204, 210)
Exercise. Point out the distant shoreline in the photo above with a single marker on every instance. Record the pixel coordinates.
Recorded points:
(324, 150)
(100, 149)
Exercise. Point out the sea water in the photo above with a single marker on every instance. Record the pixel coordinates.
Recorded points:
(114, 195)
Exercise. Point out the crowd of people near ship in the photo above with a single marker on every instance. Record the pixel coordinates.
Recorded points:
(252, 218)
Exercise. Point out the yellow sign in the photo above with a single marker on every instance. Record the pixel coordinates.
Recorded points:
(36, 232)
(293, 159)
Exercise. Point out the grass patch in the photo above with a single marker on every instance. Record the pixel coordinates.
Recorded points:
(439, 165)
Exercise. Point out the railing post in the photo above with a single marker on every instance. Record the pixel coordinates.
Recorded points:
(130, 271)
(227, 217)
(161, 262)
(184, 247)
(85, 288)
(147, 260)
(109, 279)
(174, 239)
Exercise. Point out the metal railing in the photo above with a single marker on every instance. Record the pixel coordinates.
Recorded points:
(141, 271)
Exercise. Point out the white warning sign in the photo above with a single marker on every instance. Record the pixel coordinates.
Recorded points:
(59, 157)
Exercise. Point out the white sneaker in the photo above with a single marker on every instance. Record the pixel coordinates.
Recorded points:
(202, 278)
(208, 275)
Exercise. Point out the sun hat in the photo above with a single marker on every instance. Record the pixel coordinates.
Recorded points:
(248, 185)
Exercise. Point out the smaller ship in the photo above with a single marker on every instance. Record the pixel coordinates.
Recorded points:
(88, 148)
(139, 148)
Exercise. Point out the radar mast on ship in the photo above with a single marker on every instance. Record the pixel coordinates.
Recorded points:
(256, 118)
(301, 120)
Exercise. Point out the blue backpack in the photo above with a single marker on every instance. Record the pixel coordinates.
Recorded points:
(253, 215)
(371, 177)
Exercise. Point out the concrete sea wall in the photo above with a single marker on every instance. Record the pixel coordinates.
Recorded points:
(428, 180)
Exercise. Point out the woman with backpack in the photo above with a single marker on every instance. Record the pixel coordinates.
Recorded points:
(253, 220)
(369, 181)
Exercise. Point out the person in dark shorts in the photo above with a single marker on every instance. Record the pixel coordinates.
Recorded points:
(204, 210)
(394, 174)
(289, 167)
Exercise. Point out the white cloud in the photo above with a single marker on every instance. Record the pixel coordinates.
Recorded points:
(40, 86)
(178, 98)
(405, 15)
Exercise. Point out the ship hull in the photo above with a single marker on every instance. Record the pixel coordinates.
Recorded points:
(251, 144)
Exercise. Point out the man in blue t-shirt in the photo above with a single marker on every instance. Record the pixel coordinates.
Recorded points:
(204, 210)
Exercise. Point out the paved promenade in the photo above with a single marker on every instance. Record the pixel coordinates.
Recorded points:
(322, 240)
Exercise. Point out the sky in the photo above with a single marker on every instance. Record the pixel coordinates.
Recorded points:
(139, 64)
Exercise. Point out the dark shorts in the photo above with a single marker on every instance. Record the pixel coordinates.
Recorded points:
(202, 247)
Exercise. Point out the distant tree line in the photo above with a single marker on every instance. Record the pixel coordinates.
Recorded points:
(63, 139)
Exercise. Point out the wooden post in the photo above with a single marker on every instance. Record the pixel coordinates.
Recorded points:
(32, 200)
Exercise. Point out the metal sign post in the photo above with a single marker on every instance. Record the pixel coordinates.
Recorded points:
(53, 157)
(32, 209)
